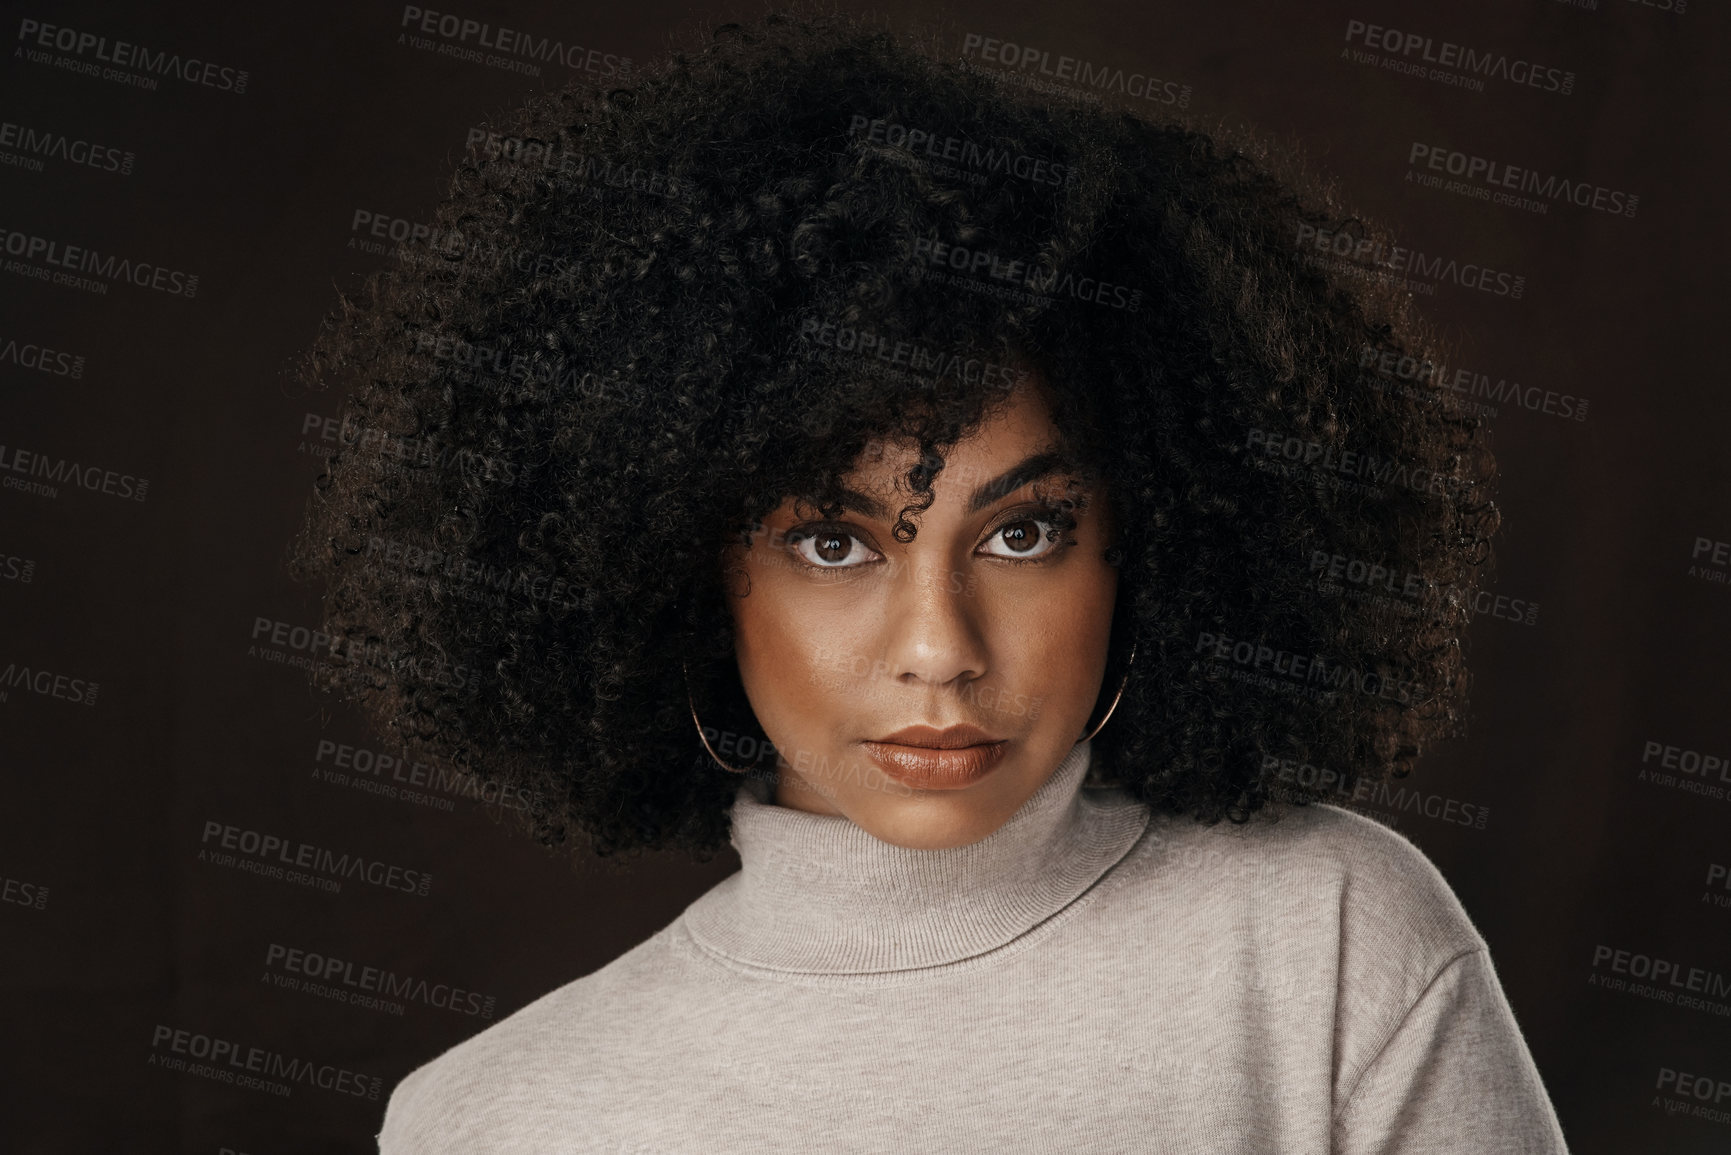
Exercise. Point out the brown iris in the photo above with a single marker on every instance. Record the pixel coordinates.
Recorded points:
(1021, 536)
(834, 547)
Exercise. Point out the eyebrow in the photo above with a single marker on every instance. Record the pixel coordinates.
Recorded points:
(1030, 468)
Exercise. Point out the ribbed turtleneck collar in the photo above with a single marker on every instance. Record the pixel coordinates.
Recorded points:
(817, 894)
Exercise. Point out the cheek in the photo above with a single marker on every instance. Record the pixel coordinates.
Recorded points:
(799, 657)
(1050, 643)
(1063, 627)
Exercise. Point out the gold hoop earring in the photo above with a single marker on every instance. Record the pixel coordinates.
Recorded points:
(1115, 698)
(701, 737)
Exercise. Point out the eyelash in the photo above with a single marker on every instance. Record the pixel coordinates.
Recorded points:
(1048, 516)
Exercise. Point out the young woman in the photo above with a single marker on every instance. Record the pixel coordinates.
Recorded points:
(944, 495)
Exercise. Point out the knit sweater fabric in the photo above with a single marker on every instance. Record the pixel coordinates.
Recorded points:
(1089, 977)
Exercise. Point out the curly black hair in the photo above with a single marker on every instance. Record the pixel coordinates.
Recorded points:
(645, 315)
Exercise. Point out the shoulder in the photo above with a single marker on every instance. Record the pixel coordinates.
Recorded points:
(489, 1085)
(1318, 875)
(1346, 919)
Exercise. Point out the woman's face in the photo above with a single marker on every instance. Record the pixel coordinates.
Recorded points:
(847, 637)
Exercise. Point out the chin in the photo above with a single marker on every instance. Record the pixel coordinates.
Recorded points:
(935, 820)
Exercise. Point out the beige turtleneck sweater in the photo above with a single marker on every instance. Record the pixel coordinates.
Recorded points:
(1087, 978)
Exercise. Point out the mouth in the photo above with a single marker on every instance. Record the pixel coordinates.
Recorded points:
(927, 758)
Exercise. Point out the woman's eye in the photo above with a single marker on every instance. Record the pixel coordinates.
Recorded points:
(832, 549)
(1025, 538)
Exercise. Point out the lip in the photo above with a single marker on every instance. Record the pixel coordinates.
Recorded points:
(949, 738)
(927, 758)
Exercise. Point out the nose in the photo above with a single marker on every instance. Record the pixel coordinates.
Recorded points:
(935, 627)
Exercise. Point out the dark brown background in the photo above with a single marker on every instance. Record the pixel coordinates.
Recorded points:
(104, 805)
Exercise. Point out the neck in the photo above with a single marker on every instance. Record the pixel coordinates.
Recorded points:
(817, 894)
